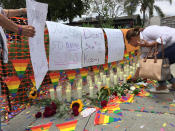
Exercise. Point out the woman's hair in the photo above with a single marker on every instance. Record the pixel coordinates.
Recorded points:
(132, 33)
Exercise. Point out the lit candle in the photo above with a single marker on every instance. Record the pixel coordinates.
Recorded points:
(91, 91)
(104, 79)
(68, 95)
(115, 79)
(99, 85)
(79, 91)
(52, 94)
(59, 92)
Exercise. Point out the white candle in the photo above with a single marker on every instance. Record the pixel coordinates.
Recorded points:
(96, 79)
(52, 94)
(59, 92)
(121, 76)
(99, 85)
(79, 91)
(112, 77)
(108, 82)
(124, 78)
(91, 91)
(101, 76)
(68, 95)
(104, 79)
(90, 83)
(115, 79)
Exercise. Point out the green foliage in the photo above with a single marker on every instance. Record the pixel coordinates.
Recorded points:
(13, 4)
(65, 9)
(88, 25)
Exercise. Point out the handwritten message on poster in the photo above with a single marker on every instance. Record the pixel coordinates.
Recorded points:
(93, 46)
(37, 13)
(65, 46)
(116, 44)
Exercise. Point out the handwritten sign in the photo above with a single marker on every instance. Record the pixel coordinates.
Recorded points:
(37, 13)
(65, 46)
(93, 46)
(116, 44)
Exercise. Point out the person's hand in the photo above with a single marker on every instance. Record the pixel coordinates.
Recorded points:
(23, 11)
(28, 30)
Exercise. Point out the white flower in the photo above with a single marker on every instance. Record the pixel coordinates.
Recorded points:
(132, 88)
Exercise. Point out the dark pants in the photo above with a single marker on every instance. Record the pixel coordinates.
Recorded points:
(170, 54)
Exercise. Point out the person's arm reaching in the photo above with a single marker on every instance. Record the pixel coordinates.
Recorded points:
(26, 30)
(14, 12)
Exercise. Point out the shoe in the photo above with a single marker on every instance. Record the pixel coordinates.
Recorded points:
(164, 91)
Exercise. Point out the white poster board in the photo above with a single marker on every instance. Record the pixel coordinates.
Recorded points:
(93, 46)
(116, 44)
(65, 46)
(36, 14)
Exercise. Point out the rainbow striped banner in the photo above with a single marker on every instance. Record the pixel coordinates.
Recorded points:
(68, 126)
(114, 65)
(54, 76)
(12, 83)
(105, 67)
(71, 75)
(104, 119)
(96, 69)
(20, 66)
(84, 72)
(44, 127)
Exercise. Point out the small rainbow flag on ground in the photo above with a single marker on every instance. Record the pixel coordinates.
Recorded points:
(44, 127)
(54, 76)
(71, 75)
(12, 83)
(111, 108)
(104, 119)
(20, 66)
(143, 93)
(96, 69)
(118, 112)
(68, 126)
(84, 72)
(124, 99)
(33, 80)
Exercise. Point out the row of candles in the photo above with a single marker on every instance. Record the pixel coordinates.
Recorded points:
(98, 80)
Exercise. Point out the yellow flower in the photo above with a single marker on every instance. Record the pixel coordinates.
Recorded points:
(129, 77)
(33, 93)
(79, 102)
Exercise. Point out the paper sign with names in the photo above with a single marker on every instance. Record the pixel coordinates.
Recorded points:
(65, 46)
(37, 13)
(93, 46)
(116, 44)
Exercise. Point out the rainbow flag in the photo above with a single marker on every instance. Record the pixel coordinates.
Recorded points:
(118, 112)
(44, 127)
(104, 119)
(129, 98)
(126, 55)
(12, 83)
(96, 69)
(143, 93)
(71, 75)
(68, 126)
(114, 65)
(33, 80)
(20, 66)
(84, 72)
(105, 67)
(111, 108)
(133, 53)
(54, 76)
